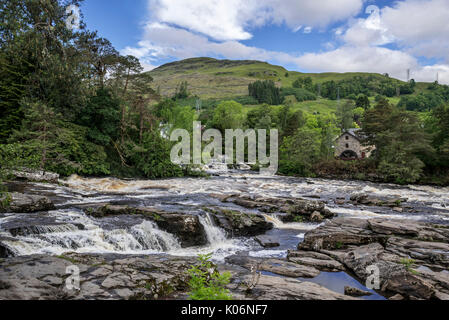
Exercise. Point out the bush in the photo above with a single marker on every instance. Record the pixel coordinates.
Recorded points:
(206, 283)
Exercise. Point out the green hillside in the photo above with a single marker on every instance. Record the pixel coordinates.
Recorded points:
(218, 79)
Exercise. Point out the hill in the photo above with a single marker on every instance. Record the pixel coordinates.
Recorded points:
(212, 78)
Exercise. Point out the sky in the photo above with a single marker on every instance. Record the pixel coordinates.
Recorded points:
(301, 35)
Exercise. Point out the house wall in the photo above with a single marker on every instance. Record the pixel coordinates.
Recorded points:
(342, 144)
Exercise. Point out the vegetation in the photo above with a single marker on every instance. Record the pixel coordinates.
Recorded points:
(70, 103)
(206, 282)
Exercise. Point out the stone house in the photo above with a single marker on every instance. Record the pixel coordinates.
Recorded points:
(349, 146)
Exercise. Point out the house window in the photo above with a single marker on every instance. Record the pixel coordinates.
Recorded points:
(347, 146)
(347, 138)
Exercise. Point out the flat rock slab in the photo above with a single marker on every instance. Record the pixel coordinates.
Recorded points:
(267, 241)
(118, 277)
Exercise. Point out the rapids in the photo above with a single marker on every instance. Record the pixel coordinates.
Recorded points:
(69, 229)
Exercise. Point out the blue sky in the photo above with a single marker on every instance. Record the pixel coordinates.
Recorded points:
(301, 35)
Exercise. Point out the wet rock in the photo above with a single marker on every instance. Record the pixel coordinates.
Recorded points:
(354, 292)
(316, 260)
(27, 228)
(239, 224)
(23, 203)
(5, 251)
(267, 242)
(293, 207)
(186, 227)
(371, 200)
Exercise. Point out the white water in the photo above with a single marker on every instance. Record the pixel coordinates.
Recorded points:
(142, 238)
(278, 224)
(145, 237)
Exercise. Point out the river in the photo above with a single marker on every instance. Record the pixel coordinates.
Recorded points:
(69, 229)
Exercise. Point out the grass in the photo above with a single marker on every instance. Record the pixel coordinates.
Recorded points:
(223, 79)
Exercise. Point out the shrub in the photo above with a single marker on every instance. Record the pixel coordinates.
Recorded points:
(206, 283)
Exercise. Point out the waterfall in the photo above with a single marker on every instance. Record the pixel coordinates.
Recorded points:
(215, 235)
(142, 238)
(278, 224)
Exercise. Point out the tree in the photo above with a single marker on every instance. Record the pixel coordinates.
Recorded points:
(300, 151)
(362, 102)
(228, 115)
(102, 116)
(391, 130)
(100, 55)
(182, 91)
(265, 92)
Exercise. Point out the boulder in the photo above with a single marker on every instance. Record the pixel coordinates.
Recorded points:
(24, 203)
(36, 175)
(371, 200)
(239, 224)
(354, 292)
(267, 242)
(316, 260)
(316, 217)
(293, 207)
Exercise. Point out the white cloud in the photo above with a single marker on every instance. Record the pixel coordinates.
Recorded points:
(183, 29)
(228, 20)
(359, 59)
(418, 26)
(161, 40)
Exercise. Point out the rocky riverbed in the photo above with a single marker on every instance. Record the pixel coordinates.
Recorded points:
(309, 238)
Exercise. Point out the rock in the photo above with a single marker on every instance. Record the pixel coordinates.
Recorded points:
(23, 203)
(276, 266)
(118, 277)
(267, 242)
(239, 224)
(398, 209)
(5, 251)
(27, 228)
(293, 207)
(383, 226)
(411, 257)
(354, 292)
(316, 217)
(316, 260)
(371, 200)
(397, 297)
(43, 278)
(340, 201)
(186, 227)
(36, 176)
(277, 288)
(338, 234)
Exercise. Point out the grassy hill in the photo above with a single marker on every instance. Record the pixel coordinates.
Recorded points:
(212, 78)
